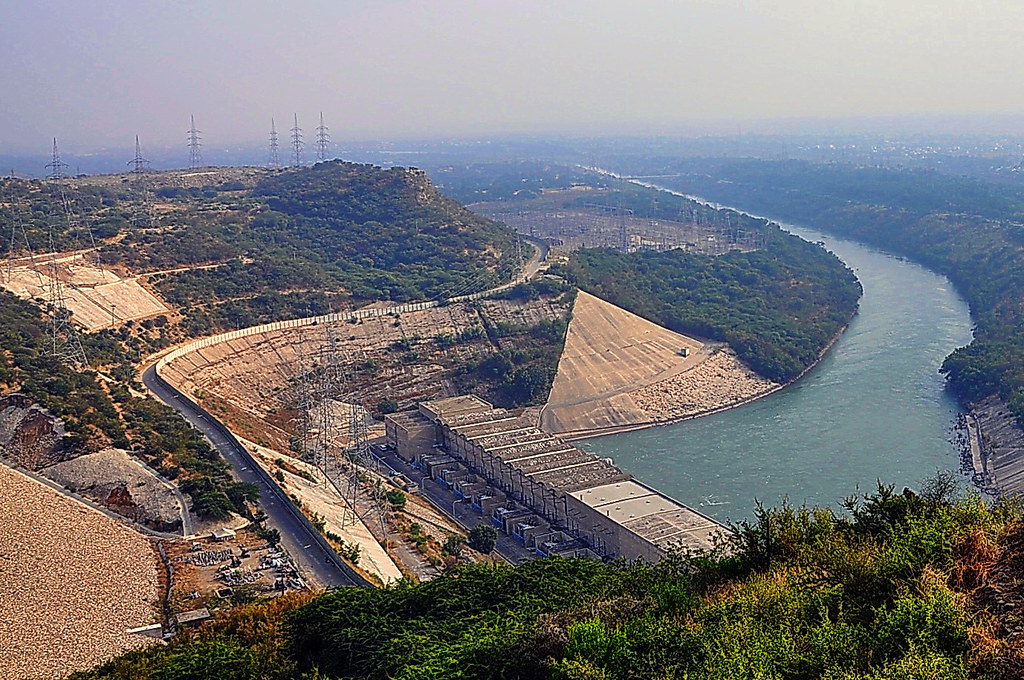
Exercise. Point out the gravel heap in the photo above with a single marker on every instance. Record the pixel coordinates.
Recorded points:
(72, 581)
(722, 380)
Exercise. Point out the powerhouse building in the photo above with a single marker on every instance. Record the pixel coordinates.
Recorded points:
(540, 489)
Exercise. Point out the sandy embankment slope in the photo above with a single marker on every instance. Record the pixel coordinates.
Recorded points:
(621, 371)
(73, 581)
(97, 298)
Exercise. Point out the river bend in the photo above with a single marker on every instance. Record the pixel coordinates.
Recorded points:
(874, 408)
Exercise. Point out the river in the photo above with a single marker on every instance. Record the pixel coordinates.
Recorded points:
(874, 408)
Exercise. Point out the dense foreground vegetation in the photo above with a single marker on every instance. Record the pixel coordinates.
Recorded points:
(899, 586)
(965, 228)
(778, 307)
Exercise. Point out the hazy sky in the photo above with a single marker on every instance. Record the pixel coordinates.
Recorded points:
(97, 72)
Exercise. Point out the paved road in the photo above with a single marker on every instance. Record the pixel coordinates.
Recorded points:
(538, 260)
(298, 537)
(318, 562)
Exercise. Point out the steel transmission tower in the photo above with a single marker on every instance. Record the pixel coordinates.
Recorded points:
(623, 227)
(73, 227)
(142, 214)
(323, 138)
(297, 143)
(334, 426)
(274, 158)
(56, 166)
(138, 164)
(63, 341)
(195, 146)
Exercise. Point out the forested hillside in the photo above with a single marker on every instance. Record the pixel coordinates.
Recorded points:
(778, 312)
(969, 230)
(246, 247)
(898, 587)
(778, 307)
(250, 246)
(306, 241)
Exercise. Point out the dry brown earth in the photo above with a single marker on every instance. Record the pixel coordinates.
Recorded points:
(73, 581)
(97, 298)
(252, 377)
(619, 370)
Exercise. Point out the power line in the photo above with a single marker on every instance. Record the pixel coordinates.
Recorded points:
(73, 226)
(19, 239)
(63, 341)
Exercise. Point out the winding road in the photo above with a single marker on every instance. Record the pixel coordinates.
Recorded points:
(310, 550)
(318, 561)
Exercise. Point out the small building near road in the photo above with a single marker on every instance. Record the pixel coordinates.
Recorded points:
(193, 618)
(222, 534)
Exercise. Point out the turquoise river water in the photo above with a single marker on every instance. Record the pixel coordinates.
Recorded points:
(874, 408)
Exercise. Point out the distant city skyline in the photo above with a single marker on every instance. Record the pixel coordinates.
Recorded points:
(96, 74)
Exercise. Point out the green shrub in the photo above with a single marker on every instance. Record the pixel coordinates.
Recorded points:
(483, 538)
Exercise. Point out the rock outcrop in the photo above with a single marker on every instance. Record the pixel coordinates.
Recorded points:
(117, 481)
(30, 436)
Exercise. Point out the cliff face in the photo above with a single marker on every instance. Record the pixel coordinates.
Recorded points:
(30, 436)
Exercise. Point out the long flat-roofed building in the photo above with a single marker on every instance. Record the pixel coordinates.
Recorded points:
(578, 493)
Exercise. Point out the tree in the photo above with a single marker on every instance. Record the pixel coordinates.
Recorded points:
(453, 546)
(208, 501)
(270, 535)
(241, 493)
(396, 498)
(483, 538)
(530, 382)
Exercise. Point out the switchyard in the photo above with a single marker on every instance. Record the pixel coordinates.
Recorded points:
(559, 219)
(552, 496)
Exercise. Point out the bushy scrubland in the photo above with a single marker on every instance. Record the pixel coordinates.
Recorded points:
(894, 586)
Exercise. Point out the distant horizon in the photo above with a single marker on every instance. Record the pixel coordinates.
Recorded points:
(909, 125)
(96, 74)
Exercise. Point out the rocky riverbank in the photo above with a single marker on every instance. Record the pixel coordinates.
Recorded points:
(999, 469)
